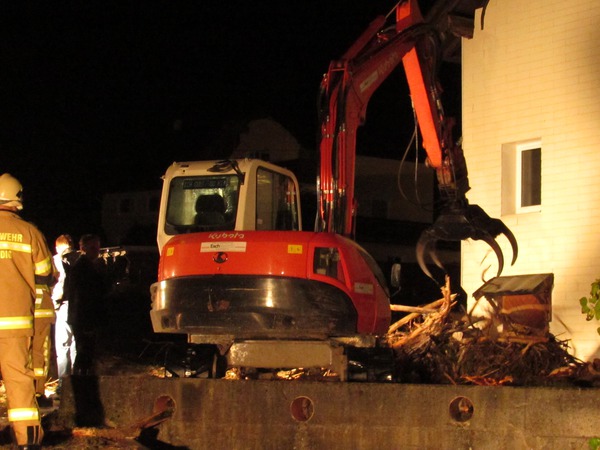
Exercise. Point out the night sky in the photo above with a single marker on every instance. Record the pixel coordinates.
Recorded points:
(90, 91)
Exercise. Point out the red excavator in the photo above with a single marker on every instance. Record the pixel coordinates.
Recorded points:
(236, 272)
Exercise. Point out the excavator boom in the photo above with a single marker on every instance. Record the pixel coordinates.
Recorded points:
(346, 90)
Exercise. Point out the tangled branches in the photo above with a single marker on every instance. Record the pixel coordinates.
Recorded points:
(443, 347)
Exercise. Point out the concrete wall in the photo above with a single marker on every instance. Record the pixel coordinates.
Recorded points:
(532, 73)
(224, 414)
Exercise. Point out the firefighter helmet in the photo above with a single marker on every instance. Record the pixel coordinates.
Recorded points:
(11, 191)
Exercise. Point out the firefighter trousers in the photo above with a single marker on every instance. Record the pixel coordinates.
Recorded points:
(41, 350)
(17, 375)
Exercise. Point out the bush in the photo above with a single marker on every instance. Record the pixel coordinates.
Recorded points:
(590, 306)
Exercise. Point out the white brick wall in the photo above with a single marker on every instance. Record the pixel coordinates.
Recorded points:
(534, 73)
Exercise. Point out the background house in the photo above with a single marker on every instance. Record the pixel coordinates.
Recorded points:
(531, 112)
(130, 217)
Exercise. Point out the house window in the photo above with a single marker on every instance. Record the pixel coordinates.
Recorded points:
(529, 167)
(529, 177)
(522, 177)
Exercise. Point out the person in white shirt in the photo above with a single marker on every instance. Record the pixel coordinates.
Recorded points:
(64, 340)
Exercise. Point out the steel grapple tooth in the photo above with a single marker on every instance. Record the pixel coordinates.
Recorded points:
(422, 249)
(497, 250)
(484, 224)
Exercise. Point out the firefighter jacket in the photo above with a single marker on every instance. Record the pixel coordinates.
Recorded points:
(26, 273)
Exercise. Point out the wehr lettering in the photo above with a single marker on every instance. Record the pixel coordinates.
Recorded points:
(11, 237)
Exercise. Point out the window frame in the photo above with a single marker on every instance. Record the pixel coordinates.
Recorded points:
(511, 178)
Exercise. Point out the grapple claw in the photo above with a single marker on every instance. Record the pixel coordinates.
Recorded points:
(423, 248)
(459, 222)
(492, 227)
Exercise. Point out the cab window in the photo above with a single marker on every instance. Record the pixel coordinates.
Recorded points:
(202, 203)
(276, 201)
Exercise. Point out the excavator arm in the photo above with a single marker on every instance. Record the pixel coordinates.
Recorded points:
(345, 92)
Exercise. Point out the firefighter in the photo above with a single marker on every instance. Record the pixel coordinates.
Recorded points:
(25, 265)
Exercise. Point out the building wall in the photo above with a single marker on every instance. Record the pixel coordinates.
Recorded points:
(267, 139)
(533, 72)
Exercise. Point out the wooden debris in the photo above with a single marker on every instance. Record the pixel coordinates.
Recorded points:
(414, 315)
(522, 339)
(103, 438)
(488, 381)
(412, 309)
(436, 313)
(441, 348)
(584, 374)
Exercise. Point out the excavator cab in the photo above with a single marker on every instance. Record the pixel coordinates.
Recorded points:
(245, 194)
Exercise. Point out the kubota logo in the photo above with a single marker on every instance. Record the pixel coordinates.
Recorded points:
(234, 235)
(220, 257)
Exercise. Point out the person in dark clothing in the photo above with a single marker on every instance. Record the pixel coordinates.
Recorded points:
(86, 288)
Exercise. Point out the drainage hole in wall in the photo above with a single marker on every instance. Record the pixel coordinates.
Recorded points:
(164, 407)
(461, 409)
(302, 409)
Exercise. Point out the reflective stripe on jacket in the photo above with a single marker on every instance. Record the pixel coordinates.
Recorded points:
(44, 307)
(16, 323)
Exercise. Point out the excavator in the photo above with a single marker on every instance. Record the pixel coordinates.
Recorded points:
(238, 274)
